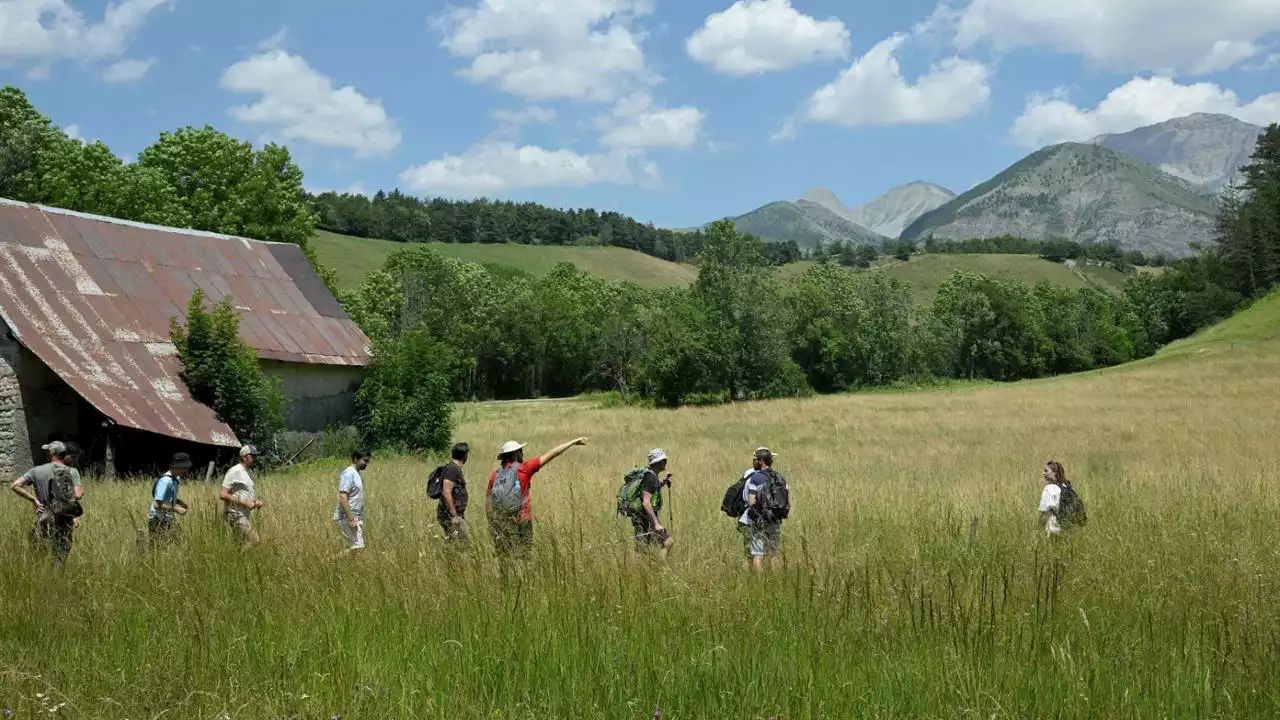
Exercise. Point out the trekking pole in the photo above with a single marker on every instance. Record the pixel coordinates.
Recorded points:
(671, 513)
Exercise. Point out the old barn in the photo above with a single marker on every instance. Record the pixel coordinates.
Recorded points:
(85, 355)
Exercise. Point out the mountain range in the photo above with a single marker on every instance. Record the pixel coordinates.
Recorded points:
(1151, 189)
(819, 216)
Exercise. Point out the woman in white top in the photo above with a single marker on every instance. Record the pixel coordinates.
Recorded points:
(1051, 498)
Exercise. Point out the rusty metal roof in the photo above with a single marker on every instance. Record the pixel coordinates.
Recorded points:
(92, 297)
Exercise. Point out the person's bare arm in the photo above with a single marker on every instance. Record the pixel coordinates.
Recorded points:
(646, 499)
(559, 450)
(19, 487)
(225, 496)
(344, 500)
(448, 500)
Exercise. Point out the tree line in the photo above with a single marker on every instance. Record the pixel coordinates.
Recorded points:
(404, 218)
(445, 329)
(1056, 250)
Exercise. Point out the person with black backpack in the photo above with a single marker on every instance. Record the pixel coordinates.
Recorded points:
(640, 499)
(55, 493)
(765, 503)
(507, 499)
(448, 485)
(1060, 505)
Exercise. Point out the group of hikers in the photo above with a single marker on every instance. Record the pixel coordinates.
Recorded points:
(759, 500)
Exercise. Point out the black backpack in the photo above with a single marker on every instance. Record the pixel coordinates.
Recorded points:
(774, 499)
(1071, 510)
(62, 494)
(734, 504)
(435, 483)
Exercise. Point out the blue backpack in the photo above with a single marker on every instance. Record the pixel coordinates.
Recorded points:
(507, 495)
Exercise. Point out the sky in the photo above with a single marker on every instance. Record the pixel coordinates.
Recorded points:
(675, 112)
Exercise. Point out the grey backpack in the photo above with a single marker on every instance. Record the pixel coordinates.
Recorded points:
(507, 495)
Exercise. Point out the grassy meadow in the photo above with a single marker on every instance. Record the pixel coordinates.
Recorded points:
(353, 258)
(916, 583)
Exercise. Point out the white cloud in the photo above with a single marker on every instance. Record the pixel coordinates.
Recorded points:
(127, 71)
(276, 41)
(543, 50)
(1050, 119)
(497, 167)
(73, 131)
(299, 103)
(531, 114)
(1200, 36)
(42, 31)
(637, 125)
(757, 36)
(874, 92)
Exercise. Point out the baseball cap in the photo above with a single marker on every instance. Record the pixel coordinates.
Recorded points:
(249, 450)
(657, 455)
(57, 447)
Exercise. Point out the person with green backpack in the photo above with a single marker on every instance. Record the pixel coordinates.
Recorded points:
(54, 491)
(506, 501)
(640, 499)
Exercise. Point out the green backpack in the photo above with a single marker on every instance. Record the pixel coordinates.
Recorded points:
(630, 503)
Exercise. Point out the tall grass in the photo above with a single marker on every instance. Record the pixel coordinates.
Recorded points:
(916, 584)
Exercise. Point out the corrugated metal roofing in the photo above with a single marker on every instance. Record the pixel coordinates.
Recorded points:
(92, 297)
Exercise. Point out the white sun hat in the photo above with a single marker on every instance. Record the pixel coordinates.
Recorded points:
(657, 455)
(510, 446)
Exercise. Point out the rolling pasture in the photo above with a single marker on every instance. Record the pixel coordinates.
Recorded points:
(916, 582)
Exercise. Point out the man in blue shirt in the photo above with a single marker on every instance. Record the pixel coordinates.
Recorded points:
(166, 507)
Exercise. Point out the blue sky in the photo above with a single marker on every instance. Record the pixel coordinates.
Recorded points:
(673, 111)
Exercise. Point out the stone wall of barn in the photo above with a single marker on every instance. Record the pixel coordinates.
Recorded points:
(36, 406)
(15, 443)
(321, 396)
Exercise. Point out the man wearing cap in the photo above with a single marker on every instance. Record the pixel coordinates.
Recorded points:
(33, 486)
(762, 533)
(166, 506)
(239, 497)
(512, 523)
(648, 527)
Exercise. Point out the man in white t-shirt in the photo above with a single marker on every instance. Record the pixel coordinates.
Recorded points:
(239, 497)
(349, 513)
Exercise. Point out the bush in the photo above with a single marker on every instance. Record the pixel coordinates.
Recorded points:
(221, 371)
(405, 401)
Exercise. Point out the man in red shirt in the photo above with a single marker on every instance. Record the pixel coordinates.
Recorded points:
(506, 501)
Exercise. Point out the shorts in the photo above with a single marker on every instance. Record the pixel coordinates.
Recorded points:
(511, 538)
(54, 534)
(240, 525)
(354, 538)
(646, 535)
(762, 540)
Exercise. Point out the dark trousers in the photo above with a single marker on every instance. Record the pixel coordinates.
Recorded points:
(54, 534)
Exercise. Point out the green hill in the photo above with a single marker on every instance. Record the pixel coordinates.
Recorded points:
(353, 258)
(924, 273)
